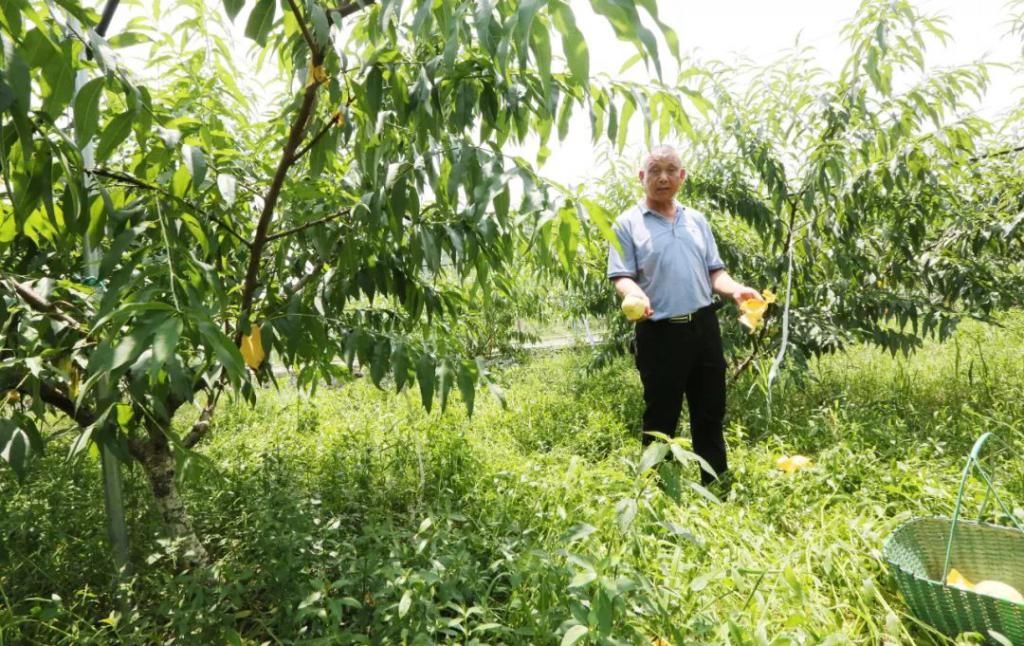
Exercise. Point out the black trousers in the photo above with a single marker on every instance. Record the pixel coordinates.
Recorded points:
(685, 359)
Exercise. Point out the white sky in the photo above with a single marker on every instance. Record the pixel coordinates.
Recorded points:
(760, 30)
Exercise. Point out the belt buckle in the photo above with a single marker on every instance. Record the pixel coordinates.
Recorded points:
(682, 318)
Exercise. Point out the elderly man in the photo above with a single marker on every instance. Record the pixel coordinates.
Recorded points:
(669, 259)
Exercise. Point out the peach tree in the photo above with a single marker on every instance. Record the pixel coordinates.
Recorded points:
(166, 241)
(877, 193)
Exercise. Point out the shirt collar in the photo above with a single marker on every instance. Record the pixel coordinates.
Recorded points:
(644, 209)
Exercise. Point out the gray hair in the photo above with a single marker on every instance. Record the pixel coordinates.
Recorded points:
(661, 150)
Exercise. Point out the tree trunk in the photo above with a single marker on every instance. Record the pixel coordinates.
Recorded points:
(158, 462)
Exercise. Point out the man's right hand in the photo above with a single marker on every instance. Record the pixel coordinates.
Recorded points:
(628, 288)
(636, 306)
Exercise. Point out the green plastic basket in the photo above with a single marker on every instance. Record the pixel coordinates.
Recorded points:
(921, 552)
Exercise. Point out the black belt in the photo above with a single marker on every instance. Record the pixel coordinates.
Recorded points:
(681, 319)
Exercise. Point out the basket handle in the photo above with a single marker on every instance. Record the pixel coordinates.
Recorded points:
(974, 461)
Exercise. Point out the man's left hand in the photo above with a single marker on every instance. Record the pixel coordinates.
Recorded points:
(743, 292)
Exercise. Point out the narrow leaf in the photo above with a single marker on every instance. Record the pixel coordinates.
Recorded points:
(425, 369)
(226, 185)
(403, 605)
(573, 635)
(260, 21)
(654, 454)
(113, 135)
(467, 385)
(195, 161)
(87, 110)
(232, 7)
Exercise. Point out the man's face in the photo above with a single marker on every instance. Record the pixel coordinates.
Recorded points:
(662, 175)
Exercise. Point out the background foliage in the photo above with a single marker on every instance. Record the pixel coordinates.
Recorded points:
(368, 221)
(355, 516)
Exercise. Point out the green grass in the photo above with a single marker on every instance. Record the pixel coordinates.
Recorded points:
(356, 517)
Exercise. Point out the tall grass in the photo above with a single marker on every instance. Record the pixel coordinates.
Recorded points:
(355, 517)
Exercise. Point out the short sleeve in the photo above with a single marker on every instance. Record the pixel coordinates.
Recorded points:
(622, 264)
(711, 257)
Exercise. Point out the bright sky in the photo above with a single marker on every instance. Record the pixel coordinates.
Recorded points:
(761, 30)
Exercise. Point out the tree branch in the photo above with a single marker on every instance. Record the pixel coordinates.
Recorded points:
(299, 18)
(323, 131)
(138, 183)
(746, 362)
(998, 153)
(108, 15)
(36, 301)
(202, 425)
(305, 280)
(51, 395)
(351, 7)
(307, 225)
(260, 239)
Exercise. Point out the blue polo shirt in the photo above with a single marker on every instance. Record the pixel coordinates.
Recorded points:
(671, 261)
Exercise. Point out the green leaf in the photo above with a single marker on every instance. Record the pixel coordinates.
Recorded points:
(483, 24)
(321, 26)
(260, 21)
(380, 361)
(624, 18)
(224, 349)
(525, 13)
(703, 492)
(582, 578)
(113, 255)
(21, 85)
(574, 45)
(624, 123)
(578, 532)
(113, 135)
(573, 635)
(502, 202)
(226, 185)
(373, 90)
(6, 96)
(12, 13)
(999, 638)
(422, 19)
(671, 38)
(653, 454)
(312, 598)
(192, 223)
(195, 161)
(232, 7)
(128, 38)
(425, 371)
(165, 339)
(400, 365)
(180, 181)
(124, 415)
(540, 45)
(444, 379)
(625, 513)
(404, 604)
(87, 110)
(60, 79)
(38, 49)
(602, 611)
(467, 384)
(138, 340)
(19, 441)
(669, 478)
(684, 457)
